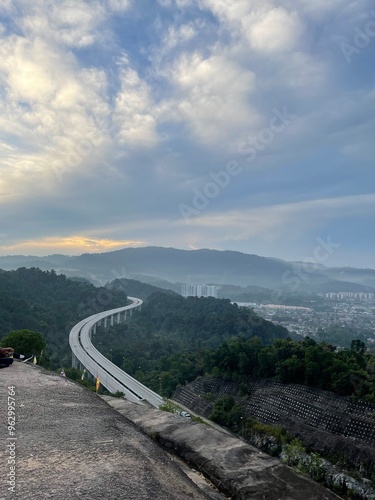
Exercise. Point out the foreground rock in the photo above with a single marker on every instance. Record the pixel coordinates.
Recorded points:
(232, 465)
(70, 444)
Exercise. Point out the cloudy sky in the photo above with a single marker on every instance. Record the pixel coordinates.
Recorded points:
(228, 124)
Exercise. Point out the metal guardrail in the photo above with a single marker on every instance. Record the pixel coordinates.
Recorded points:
(110, 375)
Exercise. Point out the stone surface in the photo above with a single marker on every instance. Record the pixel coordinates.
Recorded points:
(232, 465)
(70, 444)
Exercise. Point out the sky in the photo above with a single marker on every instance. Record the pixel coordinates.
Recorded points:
(226, 124)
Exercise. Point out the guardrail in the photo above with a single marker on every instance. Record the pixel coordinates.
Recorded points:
(111, 376)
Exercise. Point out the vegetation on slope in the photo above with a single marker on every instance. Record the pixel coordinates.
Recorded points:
(50, 304)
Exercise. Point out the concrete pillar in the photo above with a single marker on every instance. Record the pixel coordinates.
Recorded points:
(105, 322)
(112, 316)
(75, 361)
(118, 318)
(94, 328)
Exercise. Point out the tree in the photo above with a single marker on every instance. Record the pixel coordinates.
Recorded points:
(24, 341)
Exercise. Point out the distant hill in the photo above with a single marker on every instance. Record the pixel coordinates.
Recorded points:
(169, 267)
(10, 262)
(363, 277)
(135, 288)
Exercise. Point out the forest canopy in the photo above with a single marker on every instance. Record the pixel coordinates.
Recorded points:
(45, 302)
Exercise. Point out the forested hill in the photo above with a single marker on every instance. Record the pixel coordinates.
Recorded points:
(135, 288)
(164, 345)
(205, 321)
(50, 304)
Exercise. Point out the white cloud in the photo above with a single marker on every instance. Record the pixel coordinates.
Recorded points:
(134, 112)
(178, 35)
(211, 96)
(49, 106)
(266, 26)
(68, 22)
(6, 6)
(119, 5)
(276, 31)
(73, 23)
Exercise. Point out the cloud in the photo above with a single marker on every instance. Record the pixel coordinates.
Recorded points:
(272, 221)
(267, 27)
(70, 245)
(49, 106)
(70, 23)
(112, 111)
(133, 111)
(277, 31)
(211, 97)
(119, 5)
(179, 34)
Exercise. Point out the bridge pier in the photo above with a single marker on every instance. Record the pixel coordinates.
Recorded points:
(76, 363)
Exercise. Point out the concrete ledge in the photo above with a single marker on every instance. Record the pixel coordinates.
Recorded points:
(70, 444)
(233, 466)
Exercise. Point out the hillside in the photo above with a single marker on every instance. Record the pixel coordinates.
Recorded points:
(50, 304)
(135, 288)
(163, 345)
(158, 266)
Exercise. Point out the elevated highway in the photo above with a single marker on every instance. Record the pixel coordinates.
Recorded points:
(111, 376)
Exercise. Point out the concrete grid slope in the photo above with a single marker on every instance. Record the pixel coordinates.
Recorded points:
(71, 444)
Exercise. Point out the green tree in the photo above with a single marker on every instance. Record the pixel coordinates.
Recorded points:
(24, 341)
(228, 413)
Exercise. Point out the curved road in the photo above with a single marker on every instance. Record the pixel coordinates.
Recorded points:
(110, 375)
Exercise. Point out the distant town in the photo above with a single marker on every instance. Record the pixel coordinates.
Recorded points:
(351, 311)
(345, 310)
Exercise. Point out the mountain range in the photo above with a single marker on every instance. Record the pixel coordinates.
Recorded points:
(169, 267)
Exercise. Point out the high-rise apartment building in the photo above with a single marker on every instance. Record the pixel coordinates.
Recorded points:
(188, 290)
